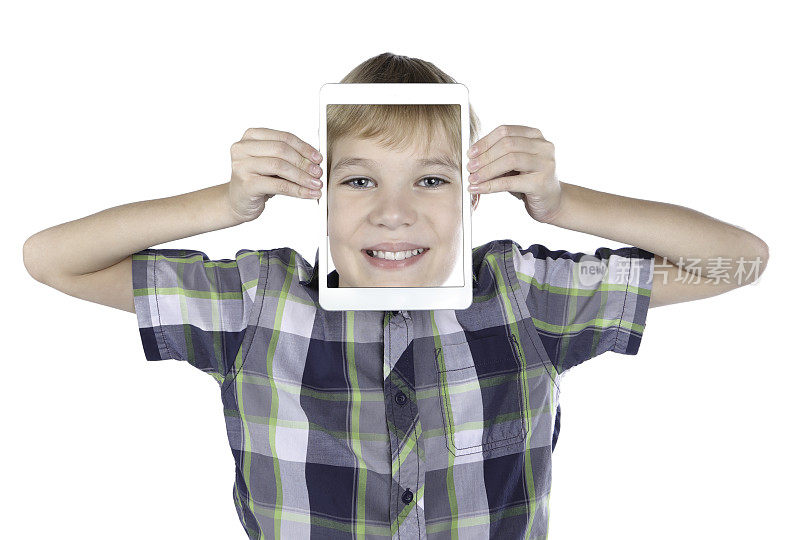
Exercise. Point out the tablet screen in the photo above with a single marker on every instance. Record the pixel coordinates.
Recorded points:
(395, 195)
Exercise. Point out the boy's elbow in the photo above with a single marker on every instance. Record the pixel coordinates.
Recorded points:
(763, 257)
(29, 258)
(764, 251)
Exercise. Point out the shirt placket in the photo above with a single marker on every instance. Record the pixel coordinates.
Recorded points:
(406, 514)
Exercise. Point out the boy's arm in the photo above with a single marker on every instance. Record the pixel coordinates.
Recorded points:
(692, 250)
(90, 258)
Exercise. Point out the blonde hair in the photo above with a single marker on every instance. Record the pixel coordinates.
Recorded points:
(398, 126)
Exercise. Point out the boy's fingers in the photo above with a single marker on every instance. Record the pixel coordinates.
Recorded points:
(499, 132)
(514, 183)
(509, 145)
(513, 162)
(274, 166)
(279, 186)
(257, 133)
(266, 134)
(279, 149)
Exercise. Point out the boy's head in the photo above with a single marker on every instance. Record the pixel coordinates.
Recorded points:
(394, 175)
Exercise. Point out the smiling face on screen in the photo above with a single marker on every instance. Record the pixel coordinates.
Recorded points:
(390, 200)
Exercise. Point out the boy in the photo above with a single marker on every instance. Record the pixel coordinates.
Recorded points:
(409, 424)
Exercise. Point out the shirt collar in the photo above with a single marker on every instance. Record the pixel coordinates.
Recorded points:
(313, 281)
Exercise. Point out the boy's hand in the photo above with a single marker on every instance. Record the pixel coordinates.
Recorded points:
(268, 162)
(519, 160)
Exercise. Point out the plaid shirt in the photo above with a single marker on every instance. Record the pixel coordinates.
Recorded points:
(373, 424)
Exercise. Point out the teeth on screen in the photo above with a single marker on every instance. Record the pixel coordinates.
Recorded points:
(394, 255)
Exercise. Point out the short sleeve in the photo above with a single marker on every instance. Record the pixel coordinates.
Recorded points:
(584, 305)
(193, 309)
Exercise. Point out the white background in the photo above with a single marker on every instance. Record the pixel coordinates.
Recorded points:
(691, 103)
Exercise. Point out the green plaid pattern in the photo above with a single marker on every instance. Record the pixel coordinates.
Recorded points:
(372, 424)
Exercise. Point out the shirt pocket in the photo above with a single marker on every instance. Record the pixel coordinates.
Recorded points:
(481, 396)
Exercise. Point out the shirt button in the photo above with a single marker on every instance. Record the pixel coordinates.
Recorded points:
(407, 496)
(400, 398)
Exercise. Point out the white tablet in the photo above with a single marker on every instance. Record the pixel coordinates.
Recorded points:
(395, 223)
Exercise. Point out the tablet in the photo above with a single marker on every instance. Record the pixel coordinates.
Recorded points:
(395, 223)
